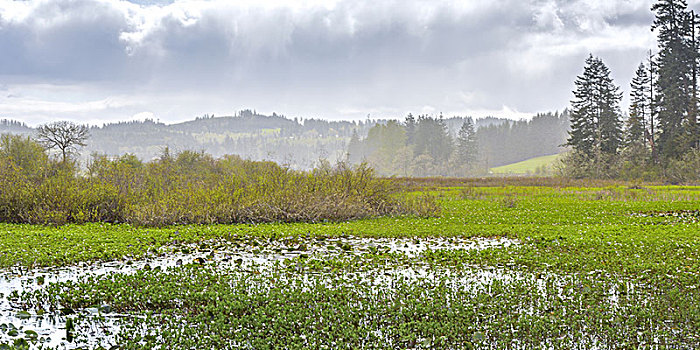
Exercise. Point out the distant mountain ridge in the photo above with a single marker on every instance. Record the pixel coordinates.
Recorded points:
(299, 143)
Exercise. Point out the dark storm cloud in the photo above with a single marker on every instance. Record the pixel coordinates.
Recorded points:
(64, 40)
(330, 59)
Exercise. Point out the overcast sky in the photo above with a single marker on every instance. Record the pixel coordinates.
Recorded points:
(96, 61)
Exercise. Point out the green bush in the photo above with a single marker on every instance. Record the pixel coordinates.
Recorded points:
(195, 188)
(686, 169)
(26, 154)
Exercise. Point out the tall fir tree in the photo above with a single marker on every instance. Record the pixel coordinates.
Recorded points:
(432, 138)
(583, 124)
(596, 127)
(609, 116)
(467, 149)
(410, 127)
(636, 131)
(675, 95)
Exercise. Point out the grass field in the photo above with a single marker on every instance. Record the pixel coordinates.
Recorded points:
(529, 166)
(500, 267)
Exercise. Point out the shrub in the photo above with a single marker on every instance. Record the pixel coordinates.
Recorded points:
(195, 188)
(686, 169)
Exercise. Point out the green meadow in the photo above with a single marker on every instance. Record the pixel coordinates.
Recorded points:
(530, 166)
(612, 267)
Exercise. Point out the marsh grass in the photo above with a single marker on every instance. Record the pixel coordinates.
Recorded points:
(433, 183)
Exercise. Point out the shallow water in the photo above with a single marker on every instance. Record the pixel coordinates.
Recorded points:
(97, 325)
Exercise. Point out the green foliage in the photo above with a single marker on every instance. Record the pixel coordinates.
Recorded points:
(432, 139)
(25, 154)
(467, 147)
(422, 147)
(595, 119)
(514, 141)
(608, 267)
(676, 96)
(663, 129)
(542, 209)
(686, 169)
(580, 165)
(640, 108)
(193, 187)
(663, 125)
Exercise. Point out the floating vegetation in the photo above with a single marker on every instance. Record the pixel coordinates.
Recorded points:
(94, 325)
(299, 304)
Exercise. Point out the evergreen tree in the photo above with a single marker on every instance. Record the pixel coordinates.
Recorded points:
(636, 135)
(609, 115)
(466, 143)
(410, 127)
(432, 138)
(595, 119)
(355, 150)
(677, 69)
(634, 131)
(639, 111)
(583, 124)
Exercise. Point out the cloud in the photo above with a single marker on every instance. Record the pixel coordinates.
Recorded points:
(339, 58)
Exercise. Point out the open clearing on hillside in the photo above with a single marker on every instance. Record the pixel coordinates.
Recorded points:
(528, 166)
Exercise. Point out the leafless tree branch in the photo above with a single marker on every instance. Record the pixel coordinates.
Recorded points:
(66, 137)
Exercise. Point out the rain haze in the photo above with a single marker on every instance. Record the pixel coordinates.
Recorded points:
(97, 61)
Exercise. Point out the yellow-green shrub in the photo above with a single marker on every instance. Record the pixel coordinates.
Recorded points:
(193, 187)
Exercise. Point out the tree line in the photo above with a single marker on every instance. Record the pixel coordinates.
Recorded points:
(660, 138)
(420, 146)
(457, 146)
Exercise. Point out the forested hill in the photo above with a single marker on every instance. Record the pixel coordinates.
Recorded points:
(246, 121)
(300, 143)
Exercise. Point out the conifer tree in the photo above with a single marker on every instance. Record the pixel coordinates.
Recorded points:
(639, 110)
(432, 138)
(583, 124)
(466, 143)
(410, 127)
(596, 127)
(609, 117)
(355, 153)
(677, 69)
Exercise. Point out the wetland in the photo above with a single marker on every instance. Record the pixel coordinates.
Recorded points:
(536, 266)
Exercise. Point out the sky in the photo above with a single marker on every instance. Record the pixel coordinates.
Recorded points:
(99, 61)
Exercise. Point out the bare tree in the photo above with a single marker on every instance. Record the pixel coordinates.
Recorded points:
(66, 137)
